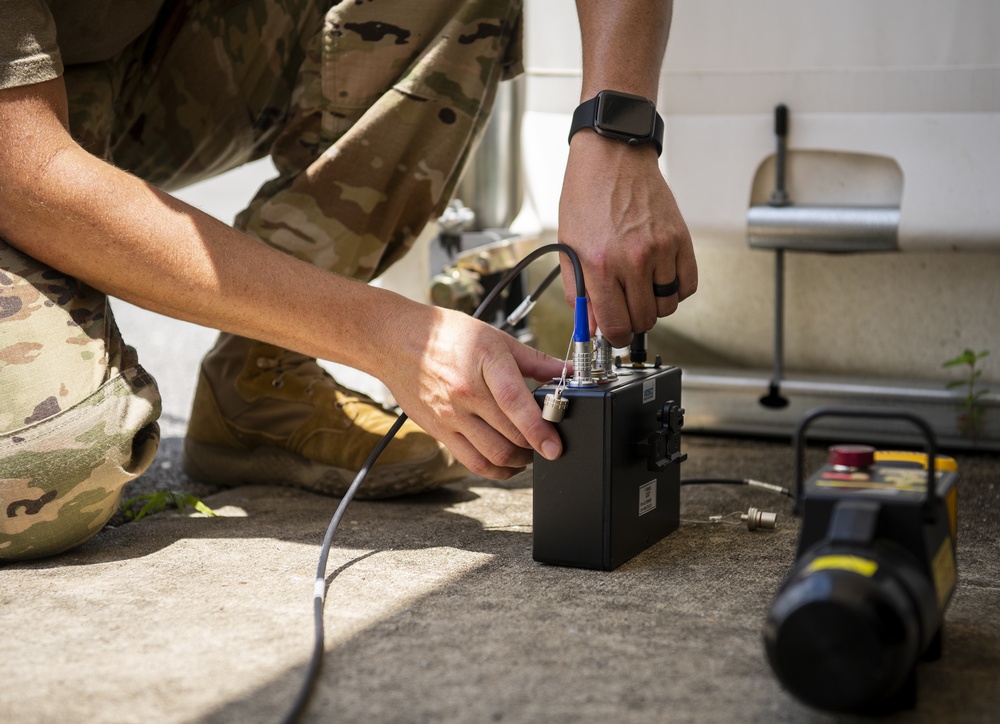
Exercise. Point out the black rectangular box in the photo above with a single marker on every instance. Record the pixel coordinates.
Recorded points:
(600, 503)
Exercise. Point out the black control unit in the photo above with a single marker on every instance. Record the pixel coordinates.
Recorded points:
(615, 490)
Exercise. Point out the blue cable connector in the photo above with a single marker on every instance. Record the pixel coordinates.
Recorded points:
(581, 321)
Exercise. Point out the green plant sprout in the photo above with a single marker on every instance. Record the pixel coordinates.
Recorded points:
(972, 416)
(161, 500)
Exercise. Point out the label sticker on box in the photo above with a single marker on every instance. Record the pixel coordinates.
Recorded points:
(648, 391)
(647, 497)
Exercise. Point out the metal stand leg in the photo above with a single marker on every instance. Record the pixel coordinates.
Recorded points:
(773, 398)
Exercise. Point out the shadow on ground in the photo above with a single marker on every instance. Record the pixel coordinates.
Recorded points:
(438, 613)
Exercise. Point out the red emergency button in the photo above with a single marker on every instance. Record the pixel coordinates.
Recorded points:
(852, 456)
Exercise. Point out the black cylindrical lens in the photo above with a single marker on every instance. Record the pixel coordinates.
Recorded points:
(844, 632)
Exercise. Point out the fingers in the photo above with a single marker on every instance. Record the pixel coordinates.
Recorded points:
(490, 446)
(612, 310)
(497, 421)
(470, 394)
(667, 296)
(621, 288)
(568, 278)
(687, 272)
(516, 414)
(532, 363)
(472, 458)
(665, 306)
(518, 406)
(655, 294)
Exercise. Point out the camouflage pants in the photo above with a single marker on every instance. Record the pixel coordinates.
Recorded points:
(368, 110)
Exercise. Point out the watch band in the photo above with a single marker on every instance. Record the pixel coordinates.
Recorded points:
(586, 116)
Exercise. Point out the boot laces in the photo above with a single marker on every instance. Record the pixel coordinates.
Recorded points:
(300, 365)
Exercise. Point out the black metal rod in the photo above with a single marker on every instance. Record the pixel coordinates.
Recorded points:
(779, 316)
(779, 197)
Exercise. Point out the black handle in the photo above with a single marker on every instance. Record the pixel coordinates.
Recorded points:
(779, 197)
(781, 120)
(930, 444)
(637, 349)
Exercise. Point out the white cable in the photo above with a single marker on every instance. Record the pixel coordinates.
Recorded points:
(562, 378)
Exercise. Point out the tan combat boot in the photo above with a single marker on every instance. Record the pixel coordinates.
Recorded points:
(263, 414)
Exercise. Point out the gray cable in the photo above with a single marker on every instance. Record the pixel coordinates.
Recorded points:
(320, 584)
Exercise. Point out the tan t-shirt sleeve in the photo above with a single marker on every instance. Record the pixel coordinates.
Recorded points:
(28, 50)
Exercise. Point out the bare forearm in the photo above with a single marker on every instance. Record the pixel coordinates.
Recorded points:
(132, 241)
(623, 45)
(113, 231)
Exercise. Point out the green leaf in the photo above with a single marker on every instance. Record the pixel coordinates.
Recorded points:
(160, 500)
(955, 383)
(155, 504)
(202, 508)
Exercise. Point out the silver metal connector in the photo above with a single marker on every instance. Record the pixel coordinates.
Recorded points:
(583, 361)
(554, 406)
(604, 363)
(760, 519)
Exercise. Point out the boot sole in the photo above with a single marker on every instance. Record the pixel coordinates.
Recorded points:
(231, 467)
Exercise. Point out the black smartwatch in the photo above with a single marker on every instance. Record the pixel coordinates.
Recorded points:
(629, 118)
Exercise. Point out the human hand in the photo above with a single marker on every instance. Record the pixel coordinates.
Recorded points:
(462, 381)
(619, 215)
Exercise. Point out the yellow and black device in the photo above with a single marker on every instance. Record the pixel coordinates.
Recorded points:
(874, 572)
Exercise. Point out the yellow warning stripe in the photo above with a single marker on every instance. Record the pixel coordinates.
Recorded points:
(855, 564)
(942, 462)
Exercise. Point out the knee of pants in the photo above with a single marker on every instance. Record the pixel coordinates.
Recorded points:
(61, 478)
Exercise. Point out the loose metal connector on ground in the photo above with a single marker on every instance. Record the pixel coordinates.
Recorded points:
(760, 519)
(755, 519)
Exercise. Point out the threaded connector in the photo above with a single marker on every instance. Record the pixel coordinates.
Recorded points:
(554, 406)
(583, 365)
(604, 364)
(760, 519)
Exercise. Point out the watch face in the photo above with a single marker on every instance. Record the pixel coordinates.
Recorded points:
(626, 115)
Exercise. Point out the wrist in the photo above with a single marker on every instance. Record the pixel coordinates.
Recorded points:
(598, 154)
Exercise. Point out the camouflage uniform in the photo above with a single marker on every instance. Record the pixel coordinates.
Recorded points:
(368, 109)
